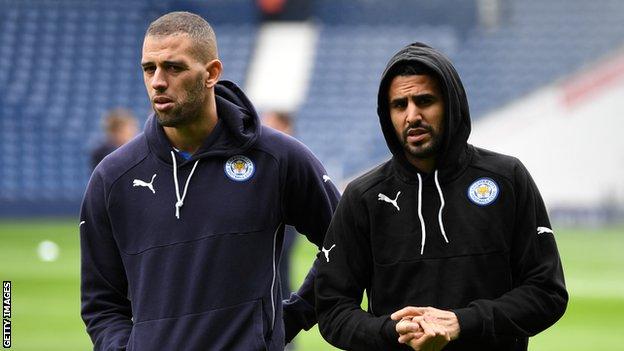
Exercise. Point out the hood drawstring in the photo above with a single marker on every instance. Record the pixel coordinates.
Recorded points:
(441, 206)
(420, 216)
(180, 202)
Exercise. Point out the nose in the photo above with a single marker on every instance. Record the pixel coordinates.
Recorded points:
(159, 81)
(414, 114)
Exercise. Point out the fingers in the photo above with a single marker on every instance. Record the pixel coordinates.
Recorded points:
(425, 328)
(408, 311)
(405, 338)
(408, 329)
(440, 332)
(430, 330)
(407, 326)
(433, 337)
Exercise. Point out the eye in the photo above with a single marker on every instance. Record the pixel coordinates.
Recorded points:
(399, 104)
(425, 100)
(148, 69)
(174, 68)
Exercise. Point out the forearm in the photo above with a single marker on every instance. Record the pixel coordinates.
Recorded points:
(342, 322)
(299, 310)
(110, 335)
(524, 311)
(347, 326)
(536, 303)
(106, 312)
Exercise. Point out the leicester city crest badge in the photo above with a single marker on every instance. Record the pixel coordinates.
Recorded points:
(483, 191)
(239, 168)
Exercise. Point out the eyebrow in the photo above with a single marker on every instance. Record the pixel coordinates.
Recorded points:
(398, 99)
(170, 63)
(417, 96)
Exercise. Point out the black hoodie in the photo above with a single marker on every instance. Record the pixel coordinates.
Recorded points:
(472, 237)
(184, 254)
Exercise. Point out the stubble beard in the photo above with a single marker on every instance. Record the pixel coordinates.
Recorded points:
(422, 150)
(186, 112)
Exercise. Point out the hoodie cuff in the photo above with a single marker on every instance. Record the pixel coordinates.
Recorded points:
(470, 325)
(388, 330)
(298, 314)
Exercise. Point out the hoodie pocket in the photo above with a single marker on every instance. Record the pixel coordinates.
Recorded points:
(238, 327)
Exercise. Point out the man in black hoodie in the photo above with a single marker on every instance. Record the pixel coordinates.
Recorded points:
(181, 229)
(451, 243)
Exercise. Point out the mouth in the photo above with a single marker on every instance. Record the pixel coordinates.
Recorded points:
(416, 135)
(163, 103)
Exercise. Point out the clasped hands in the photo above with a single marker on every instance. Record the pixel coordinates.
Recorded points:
(426, 328)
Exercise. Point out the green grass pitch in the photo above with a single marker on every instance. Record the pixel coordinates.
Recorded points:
(46, 294)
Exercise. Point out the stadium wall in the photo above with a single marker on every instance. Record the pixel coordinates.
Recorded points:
(568, 134)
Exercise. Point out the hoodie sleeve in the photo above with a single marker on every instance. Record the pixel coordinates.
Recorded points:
(344, 273)
(105, 307)
(310, 199)
(539, 297)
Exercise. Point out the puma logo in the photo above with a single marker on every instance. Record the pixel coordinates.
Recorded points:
(326, 178)
(150, 185)
(326, 251)
(382, 197)
(542, 230)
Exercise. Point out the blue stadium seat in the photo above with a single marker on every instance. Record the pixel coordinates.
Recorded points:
(537, 43)
(63, 65)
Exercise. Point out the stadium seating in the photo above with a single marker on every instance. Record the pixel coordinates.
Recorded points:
(63, 63)
(536, 43)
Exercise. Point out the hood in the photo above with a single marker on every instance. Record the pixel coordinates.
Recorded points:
(237, 129)
(453, 154)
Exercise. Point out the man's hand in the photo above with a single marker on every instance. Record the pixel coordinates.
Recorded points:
(421, 335)
(432, 316)
(409, 328)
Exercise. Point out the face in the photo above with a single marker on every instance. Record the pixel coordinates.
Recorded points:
(125, 133)
(271, 120)
(417, 114)
(175, 80)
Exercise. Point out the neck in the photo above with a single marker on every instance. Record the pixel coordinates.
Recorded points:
(190, 137)
(424, 164)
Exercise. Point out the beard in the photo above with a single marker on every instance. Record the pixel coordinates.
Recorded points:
(187, 111)
(421, 149)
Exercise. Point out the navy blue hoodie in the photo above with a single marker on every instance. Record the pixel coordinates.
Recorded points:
(197, 268)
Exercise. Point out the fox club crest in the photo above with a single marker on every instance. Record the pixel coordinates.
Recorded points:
(483, 191)
(239, 168)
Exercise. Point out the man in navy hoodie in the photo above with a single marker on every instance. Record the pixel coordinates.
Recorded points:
(181, 229)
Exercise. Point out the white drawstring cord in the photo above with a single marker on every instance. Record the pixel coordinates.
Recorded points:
(180, 202)
(420, 216)
(441, 206)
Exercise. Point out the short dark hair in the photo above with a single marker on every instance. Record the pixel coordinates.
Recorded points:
(411, 69)
(197, 28)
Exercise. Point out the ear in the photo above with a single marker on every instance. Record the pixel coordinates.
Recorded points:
(214, 69)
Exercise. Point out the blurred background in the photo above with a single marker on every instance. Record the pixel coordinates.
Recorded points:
(544, 78)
